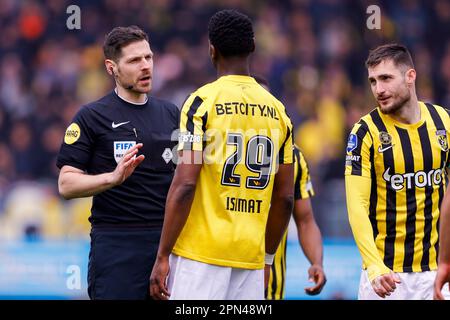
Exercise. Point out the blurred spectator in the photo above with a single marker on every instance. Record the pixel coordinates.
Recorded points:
(23, 142)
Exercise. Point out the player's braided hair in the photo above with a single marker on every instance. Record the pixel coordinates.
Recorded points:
(120, 37)
(231, 33)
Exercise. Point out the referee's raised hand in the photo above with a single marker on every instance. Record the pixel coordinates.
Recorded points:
(127, 165)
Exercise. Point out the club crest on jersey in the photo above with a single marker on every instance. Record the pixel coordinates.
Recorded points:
(352, 142)
(385, 138)
(121, 147)
(442, 139)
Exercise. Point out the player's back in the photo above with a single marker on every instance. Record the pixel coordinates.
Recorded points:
(244, 134)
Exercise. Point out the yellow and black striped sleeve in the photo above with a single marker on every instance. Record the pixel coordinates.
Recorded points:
(286, 155)
(193, 120)
(303, 188)
(358, 182)
(359, 151)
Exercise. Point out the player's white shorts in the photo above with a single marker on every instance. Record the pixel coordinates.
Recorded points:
(194, 280)
(414, 286)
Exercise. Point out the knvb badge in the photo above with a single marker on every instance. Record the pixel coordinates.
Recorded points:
(121, 147)
(352, 142)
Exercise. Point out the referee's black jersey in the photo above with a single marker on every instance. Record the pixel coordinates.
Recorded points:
(97, 139)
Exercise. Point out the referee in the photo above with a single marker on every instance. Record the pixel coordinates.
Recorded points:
(118, 149)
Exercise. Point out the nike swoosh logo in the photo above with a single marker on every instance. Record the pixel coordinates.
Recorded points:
(381, 150)
(116, 125)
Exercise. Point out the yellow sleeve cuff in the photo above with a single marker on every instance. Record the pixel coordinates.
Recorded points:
(374, 271)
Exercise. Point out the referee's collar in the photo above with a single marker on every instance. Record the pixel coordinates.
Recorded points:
(130, 102)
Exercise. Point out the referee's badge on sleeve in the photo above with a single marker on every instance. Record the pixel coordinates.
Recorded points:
(121, 147)
(72, 134)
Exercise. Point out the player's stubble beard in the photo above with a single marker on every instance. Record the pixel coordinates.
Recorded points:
(400, 100)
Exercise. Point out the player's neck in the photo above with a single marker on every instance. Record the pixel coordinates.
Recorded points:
(409, 113)
(233, 66)
(131, 96)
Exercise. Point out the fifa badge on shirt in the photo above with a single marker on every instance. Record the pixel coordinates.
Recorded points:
(442, 139)
(121, 147)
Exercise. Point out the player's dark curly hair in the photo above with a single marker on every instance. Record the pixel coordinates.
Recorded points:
(231, 33)
(120, 37)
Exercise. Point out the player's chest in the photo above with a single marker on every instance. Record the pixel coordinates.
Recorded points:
(409, 151)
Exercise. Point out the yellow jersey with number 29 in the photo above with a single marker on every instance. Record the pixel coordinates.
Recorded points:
(244, 133)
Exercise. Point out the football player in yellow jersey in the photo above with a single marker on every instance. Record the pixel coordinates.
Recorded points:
(232, 195)
(395, 181)
(309, 235)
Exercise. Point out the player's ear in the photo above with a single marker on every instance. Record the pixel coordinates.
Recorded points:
(212, 52)
(410, 76)
(253, 46)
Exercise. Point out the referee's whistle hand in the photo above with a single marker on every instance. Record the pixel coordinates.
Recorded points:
(127, 165)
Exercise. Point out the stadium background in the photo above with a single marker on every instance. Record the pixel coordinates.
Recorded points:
(312, 53)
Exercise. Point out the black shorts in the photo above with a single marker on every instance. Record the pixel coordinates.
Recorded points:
(121, 261)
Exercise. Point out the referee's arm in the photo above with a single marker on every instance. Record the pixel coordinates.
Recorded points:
(75, 183)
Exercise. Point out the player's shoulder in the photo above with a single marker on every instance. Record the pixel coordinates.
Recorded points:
(206, 91)
(201, 97)
(298, 151)
(270, 96)
(364, 121)
(440, 109)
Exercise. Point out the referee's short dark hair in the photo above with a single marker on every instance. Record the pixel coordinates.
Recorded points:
(120, 37)
(231, 33)
(398, 53)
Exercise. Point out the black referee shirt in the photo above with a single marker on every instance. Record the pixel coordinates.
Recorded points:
(97, 139)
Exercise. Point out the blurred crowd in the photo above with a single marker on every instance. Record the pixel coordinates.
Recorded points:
(311, 52)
